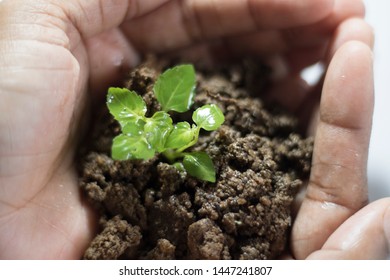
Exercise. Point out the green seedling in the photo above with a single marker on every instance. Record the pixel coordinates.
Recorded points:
(142, 137)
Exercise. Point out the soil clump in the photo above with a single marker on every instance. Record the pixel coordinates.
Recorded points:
(151, 210)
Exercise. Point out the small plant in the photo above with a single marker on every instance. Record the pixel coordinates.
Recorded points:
(142, 137)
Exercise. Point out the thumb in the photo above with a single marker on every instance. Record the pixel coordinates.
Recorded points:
(366, 235)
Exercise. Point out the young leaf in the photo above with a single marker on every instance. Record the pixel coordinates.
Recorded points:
(180, 136)
(200, 165)
(157, 129)
(175, 88)
(125, 105)
(126, 147)
(134, 128)
(208, 117)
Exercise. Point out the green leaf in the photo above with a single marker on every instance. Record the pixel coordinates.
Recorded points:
(157, 129)
(175, 88)
(200, 165)
(208, 117)
(181, 135)
(126, 147)
(179, 166)
(135, 128)
(125, 105)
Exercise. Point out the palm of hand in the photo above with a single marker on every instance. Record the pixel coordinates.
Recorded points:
(41, 213)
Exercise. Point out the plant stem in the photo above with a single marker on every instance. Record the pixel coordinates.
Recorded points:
(172, 155)
(193, 142)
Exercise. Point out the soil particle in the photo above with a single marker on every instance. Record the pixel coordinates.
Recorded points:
(117, 237)
(171, 217)
(206, 241)
(154, 211)
(164, 250)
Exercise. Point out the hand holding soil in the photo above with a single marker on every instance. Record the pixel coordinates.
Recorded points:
(59, 57)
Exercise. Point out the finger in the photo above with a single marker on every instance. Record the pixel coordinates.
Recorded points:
(315, 33)
(354, 29)
(366, 235)
(351, 29)
(110, 57)
(166, 25)
(301, 46)
(307, 44)
(210, 19)
(338, 183)
(89, 18)
(94, 17)
(179, 24)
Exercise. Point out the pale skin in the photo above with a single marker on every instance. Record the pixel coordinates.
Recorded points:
(53, 54)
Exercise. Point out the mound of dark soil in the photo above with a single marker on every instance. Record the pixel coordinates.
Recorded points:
(150, 210)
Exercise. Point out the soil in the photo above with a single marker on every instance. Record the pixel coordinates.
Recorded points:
(150, 210)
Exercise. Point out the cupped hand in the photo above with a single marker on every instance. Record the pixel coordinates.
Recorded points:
(334, 220)
(54, 54)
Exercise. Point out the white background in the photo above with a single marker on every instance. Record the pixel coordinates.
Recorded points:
(378, 15)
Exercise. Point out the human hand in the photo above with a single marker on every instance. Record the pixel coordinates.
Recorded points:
(53, 53)
(334, 220)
